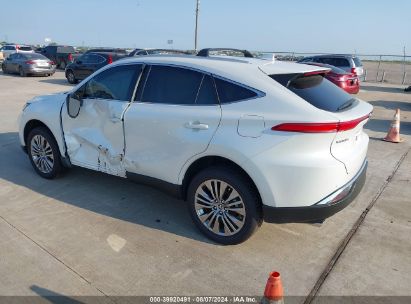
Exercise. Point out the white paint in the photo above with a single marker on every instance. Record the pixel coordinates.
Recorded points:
(116, 242)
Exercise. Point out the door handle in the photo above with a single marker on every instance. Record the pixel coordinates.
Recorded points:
(196, 125)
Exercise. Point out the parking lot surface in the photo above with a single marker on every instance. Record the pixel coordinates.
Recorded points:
(88, 233)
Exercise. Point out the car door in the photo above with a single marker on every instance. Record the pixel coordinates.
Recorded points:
(173, 118)
(95, 138)
(81, 66)
(12, 65)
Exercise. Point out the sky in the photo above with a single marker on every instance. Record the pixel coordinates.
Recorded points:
(349, 26)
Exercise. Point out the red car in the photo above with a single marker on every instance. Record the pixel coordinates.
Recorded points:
(349, 82)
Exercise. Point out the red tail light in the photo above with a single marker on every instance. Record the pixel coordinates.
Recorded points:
(321, 72)
(326, 127)
(70, 57)
(110, 59)
(354, 71)
(17, 47)
(30, 62)
(51, 63)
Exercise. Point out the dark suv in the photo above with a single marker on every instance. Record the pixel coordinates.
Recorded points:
(87, 64)
(348, 63)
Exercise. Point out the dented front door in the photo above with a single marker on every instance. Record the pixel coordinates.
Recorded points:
(95, 138)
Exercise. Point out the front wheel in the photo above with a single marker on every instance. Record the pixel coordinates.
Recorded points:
(44, 153)
(223, 205)
(71, 78)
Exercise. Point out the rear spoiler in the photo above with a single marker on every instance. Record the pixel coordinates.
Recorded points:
(206, 52)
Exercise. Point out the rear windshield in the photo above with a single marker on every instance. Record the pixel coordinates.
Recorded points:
(25, 48)
(65, 49)
(357, 62)
(316, 90)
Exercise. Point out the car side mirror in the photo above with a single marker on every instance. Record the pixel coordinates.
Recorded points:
(73, 105)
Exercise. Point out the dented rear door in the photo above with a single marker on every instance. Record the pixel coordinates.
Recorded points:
(95, 138)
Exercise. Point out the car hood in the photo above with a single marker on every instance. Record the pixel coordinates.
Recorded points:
(58, 98)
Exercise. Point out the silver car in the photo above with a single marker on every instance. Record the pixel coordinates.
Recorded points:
(28, 64)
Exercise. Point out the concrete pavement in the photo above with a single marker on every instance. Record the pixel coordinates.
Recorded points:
(93, 234)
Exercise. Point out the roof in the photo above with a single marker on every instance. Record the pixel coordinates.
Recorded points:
(250, 71)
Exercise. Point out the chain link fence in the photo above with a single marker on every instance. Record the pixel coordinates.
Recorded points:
(395, 69)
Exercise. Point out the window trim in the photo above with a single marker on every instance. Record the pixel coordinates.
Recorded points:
(259, 93)
(133, 85)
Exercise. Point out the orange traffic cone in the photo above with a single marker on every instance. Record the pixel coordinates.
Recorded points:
(394, 131)
(273, 293)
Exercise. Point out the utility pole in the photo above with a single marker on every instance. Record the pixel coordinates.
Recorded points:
(196, 29)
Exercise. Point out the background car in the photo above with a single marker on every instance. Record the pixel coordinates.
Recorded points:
(108, 50)
(62, 55)
(349, 82)
(142, 52)
(88, 63)
(15, 48)
(348, 63)
(28, 64)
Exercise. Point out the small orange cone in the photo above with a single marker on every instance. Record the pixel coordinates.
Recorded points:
(394, 131)
(274, 292)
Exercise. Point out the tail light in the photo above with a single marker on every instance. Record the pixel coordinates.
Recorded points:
(354, 71)
(326, 127)
(110, 59)
(70, 57)
(17, 47)
(30, 62)
(52, 63)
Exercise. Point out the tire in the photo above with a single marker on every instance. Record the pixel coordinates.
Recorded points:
(63, 65)
(230, 226)
(44, 153)
(22, 73)
(3, 68)
(71, 78)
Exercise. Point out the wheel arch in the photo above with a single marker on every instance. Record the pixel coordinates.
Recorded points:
(207, 161)
(32, 124)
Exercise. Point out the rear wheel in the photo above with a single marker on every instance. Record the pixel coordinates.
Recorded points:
(71, 78)
(22, 73)
(63, 65)
(223, 205)
(44, 153)
(3, 67)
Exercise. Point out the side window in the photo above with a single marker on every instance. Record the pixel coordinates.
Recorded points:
(171, 85)
(95, 59)
(85, 59)
(230, 92)
(207, 94)
(116, 83)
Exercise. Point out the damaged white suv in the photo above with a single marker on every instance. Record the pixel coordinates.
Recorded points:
(242, 140)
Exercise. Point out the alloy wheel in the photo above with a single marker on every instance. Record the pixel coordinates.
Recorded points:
(219, 207)
(42, 154)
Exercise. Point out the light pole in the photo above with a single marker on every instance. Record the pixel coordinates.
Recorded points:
(196, 29)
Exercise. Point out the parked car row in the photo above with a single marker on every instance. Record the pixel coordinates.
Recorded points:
(346, 71)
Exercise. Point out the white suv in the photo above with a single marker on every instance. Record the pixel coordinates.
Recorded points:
(242, 140)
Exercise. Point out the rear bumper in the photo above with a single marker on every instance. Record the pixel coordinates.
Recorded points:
(321, 210)
(40, 71)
